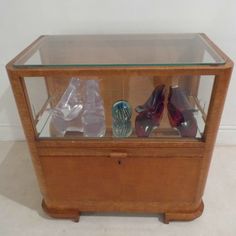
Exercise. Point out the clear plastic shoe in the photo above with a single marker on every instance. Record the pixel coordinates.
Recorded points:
(93, 118)
(80, 109)
(66, 116)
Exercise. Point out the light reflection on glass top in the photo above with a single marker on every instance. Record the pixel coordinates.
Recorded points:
(120, 50)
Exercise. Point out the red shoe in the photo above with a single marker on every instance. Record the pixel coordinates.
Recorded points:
(150, 113)
(180, 112)
(152, 103)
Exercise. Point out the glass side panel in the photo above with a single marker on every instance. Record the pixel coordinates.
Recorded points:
(121, 50)
(120, 107)
(37, 94)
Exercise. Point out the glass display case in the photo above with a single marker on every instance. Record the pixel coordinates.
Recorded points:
(121, 122)
(119, 106)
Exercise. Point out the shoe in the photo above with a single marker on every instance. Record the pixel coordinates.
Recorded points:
(153, 101)
(80, 109)
(150, 114)
(66, 115)
(93, 117)
(181, 112)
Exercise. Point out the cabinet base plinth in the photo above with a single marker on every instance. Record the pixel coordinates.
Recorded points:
(74, 214)
(183, 216)
(61, 213)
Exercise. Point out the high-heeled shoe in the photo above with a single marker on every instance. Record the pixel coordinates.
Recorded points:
(180, 112)
(156, 97)
(150, 114)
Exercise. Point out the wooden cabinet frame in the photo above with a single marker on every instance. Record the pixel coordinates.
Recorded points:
(181, 158)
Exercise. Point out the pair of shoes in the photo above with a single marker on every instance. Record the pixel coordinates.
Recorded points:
(180, 112)
(80, 110)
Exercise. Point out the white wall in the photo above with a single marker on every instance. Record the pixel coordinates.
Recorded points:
(23, 21)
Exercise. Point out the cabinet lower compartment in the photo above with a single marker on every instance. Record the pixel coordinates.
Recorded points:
(114, 184)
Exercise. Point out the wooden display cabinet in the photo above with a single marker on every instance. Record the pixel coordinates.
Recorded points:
(165, 172)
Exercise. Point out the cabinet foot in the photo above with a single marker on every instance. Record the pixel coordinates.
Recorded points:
(61, 213)
(183, 216)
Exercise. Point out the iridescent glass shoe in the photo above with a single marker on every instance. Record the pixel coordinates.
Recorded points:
(180, 112)
(146, 121)
(150, 113)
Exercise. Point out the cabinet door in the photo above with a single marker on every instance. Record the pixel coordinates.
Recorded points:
(159, 179)
(70, 179)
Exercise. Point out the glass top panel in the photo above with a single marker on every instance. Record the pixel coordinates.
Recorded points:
(121, 50)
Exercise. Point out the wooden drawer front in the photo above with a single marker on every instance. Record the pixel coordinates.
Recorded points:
(119, 178)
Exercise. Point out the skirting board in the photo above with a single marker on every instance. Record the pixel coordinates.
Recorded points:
(226, 134)
(11, 133)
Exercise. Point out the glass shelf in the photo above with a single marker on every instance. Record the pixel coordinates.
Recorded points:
(120, 50)
(44, 127)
